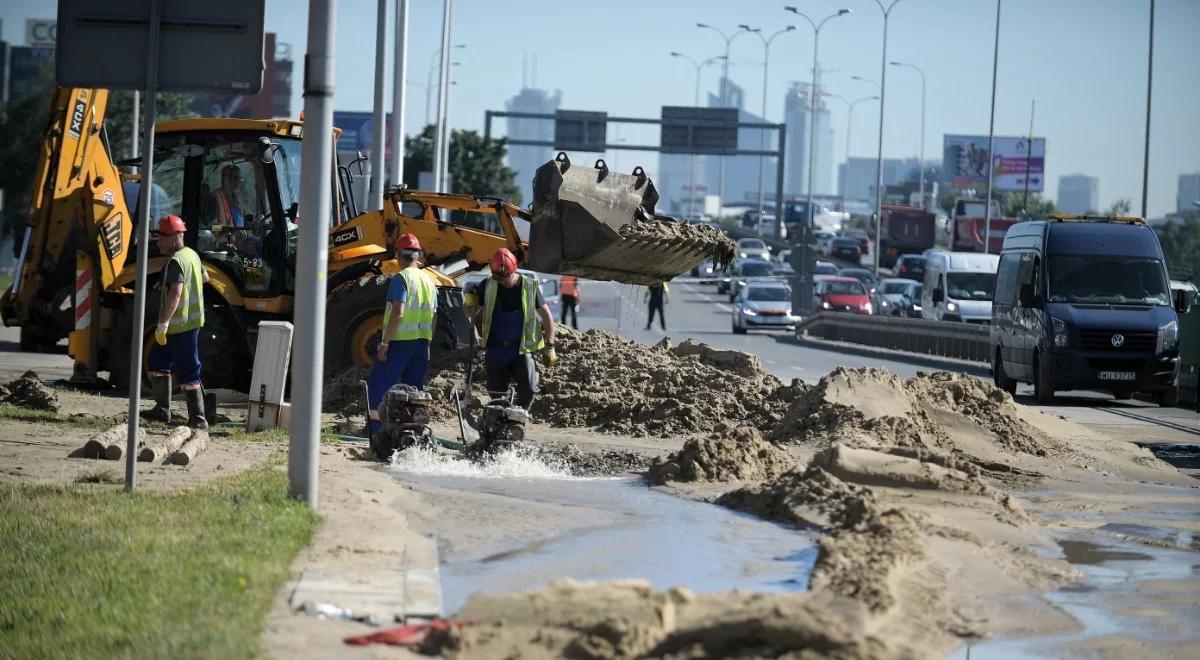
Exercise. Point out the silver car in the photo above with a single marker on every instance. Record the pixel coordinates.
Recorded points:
(753, 248)
(766, 305)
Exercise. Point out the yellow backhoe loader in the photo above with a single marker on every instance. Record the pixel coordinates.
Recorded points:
(236, 183)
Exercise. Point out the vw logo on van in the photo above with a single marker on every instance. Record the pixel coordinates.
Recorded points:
(1118, 340)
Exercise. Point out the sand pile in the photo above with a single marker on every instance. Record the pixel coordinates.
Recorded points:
(590, 463)
(703, 237)
(617, 385)
(29, 392)
(729, 453)
(628, 619)
(343, 394)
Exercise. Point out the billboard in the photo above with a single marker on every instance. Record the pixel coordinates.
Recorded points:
(358, 134)
(965, 160)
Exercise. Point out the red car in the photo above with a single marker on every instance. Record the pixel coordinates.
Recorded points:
(842, 294)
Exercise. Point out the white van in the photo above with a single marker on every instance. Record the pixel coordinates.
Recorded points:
(959, 286)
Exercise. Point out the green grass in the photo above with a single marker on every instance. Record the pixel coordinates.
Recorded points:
(19, 414)
(92, 571)
(99, 477)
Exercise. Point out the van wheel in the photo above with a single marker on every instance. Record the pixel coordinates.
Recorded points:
(1122, 395)
(1000, 378)
(1167, 399)
(1043, 386)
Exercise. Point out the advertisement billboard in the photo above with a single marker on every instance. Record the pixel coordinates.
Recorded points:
(357, 133)
(965, 160)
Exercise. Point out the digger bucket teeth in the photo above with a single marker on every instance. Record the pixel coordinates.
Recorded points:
(599, 224)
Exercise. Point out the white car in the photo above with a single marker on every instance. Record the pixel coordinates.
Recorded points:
(753, 248)
(825, 243)
(763, 305)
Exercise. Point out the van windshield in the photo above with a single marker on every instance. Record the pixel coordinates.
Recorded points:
(1108, 280)
(970, 286)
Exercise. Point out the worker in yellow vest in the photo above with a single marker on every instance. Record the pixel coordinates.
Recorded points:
(403, 353)
(514, 322)
(176, 348)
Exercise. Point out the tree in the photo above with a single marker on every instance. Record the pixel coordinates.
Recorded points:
(476, 164)
(1120, 207)
(1180, 239)
(1013, 205)
(119, 117)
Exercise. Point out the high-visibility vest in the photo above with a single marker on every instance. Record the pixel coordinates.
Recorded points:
(569, 286)
(531, 324)
(420, 305)
(189, 315)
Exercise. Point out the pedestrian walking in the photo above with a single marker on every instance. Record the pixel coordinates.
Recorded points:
(514, 323)
(408, 319)
(568, 292)
(658, 295)
(176, 347)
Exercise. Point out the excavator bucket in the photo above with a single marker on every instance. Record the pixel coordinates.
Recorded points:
(598, 224)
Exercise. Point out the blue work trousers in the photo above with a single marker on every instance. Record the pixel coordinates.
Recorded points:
(407, 362)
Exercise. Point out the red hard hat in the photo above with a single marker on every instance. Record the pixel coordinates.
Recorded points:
(171, 224)
(503, 262)
(408, 242)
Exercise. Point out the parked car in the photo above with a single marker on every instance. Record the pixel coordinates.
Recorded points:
(753, 248)
(896, 295)
(842, 294)
(911, 266)
(1086, 305)
(959, 286)
(750, 270)
(847, 248)
(763, 305)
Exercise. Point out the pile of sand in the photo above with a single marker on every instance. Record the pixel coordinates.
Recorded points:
(29, 392)
(343, 393)
(702, 237)
(729, 453)
(616, 385)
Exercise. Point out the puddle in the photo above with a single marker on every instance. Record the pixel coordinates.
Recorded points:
(1182, 456)
(1086, 552)
(666, 540)
(1165, 537)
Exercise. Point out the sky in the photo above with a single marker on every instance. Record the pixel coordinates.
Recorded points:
(1083, 61)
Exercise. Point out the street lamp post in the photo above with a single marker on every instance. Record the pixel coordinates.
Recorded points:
(849, 126)
(762, 133)
(1149, 88)
(435, 65)
(987, 213)
(887, 11)
(812, 102)
(695, 103)
(921, 164)
(441, 133)
(724, 93)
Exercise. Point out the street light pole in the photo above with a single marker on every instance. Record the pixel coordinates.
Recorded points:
(987, 213)
(724, 95)
(849, 127)
(440, 133)
(762, 133)
(887, 11)
(375, 194)
(1149, 87)
(695, 103)
(812, 103)
(921, 164)
(399, 93)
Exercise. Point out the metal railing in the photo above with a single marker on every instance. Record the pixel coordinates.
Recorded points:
(962, 341)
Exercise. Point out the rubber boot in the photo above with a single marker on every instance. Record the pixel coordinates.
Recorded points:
(195, 405)
(161, 412)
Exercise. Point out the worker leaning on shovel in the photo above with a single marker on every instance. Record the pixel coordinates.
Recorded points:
(514, 322)
(176, 348)
(408, 319)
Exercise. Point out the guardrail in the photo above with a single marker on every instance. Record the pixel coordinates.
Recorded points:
(963, 341)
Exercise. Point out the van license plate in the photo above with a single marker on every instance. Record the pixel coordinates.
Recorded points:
(1118, 375)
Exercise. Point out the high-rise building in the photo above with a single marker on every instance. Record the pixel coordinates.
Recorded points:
(1188, 192)
(524, 160)
(796, 108)
(1078, 193)
(741, 172)
(273, 100)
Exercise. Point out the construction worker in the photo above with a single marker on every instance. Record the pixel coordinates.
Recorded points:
(176, 349)
(658, 295)
(568, 292)
(514, 322)
(408, 319)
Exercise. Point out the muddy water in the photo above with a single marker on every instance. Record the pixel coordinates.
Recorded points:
(664, 539)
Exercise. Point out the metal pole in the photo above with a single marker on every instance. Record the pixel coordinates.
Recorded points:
(779, 181)
(1028, 157)
(987, 213)
(138, 321)
(762, 133)
(1149, 87)
(724, 104)
(399, 92)
(378, 128)
(812, 128)
(924, 206)
(879, 158)
(134, 128)
(692, 176)
(443, 85)
(446, 134)
(312, 252)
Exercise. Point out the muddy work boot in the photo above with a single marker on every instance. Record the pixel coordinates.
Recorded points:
(195, 406)
(161, 412)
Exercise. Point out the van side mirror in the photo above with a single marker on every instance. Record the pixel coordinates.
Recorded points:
(1184, 299)
(1026, 297)
(937, 295)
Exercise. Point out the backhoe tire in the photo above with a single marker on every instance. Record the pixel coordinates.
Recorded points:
(353, 323)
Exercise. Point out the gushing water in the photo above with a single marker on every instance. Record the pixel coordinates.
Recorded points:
(514, 463)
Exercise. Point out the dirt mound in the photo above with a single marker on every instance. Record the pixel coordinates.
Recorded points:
(729, 453)
(616, 385)
(803, 497)
(343, 394)
(591, 463)
(29, 392)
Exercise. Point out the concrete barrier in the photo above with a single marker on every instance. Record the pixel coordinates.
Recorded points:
(963, 341)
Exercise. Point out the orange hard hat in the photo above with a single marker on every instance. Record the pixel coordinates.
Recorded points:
(503, 263)
(408, 242)
(171, 224)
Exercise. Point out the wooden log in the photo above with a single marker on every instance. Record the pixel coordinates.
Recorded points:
(114, 442)
(95, 447)
(187, 453)
(159, 449)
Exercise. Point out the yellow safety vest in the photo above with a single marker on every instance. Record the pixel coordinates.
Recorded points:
(419, 308)
(531, 325)
(189, 315)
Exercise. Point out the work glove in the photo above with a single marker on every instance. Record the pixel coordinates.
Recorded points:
(551, 356)
(160, 334)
